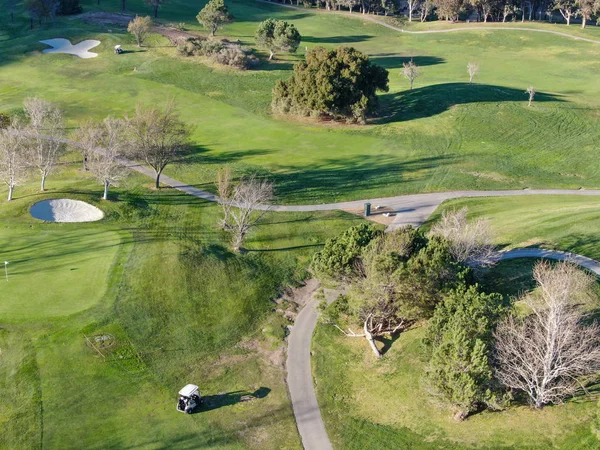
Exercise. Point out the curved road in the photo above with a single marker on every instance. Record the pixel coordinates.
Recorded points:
(447, 30)
(299, 377)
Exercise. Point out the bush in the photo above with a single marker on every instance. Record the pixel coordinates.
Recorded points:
(68, 7)
(232, 56)
(339, 254)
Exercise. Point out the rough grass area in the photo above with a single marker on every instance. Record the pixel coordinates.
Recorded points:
(157, 276)
(445, 134)
(374, 404)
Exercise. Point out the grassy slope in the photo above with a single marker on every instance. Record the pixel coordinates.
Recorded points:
(354, 390)
(442, 135)
(181, 307)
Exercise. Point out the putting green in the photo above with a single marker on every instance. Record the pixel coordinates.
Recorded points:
(54, 270)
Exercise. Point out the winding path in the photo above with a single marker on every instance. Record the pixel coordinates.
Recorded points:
(373, 19)
(299, 377)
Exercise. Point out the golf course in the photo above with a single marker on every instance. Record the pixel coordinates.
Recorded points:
(104, 318)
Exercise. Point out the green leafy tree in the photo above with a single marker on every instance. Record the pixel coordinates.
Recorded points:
(339, 83)
(459, 335)
(214, 15)
(277, 35)
(339, 254)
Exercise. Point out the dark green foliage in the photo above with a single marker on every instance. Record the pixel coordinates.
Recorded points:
(458, 337)
(4, 120)
(67, 7)
(339, 83)
(214, 15)
(277, 35)
(200, 47)
(339, 253)
(402, 277)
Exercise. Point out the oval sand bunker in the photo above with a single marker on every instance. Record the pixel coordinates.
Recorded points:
(65, 210)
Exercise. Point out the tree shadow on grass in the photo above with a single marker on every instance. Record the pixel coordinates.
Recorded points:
(431, 100)
(337, 39)
(343, 177)
(395, 61)
(211, 402)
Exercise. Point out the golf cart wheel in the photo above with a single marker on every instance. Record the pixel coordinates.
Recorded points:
(188, 411)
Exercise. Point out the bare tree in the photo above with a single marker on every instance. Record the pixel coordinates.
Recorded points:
(104, 143)
(244, 207)
(413, 6)
(157, 136)
(531, 92)
(470, 242)
(587, 8)
(85, 139)
(567, 9)
(411, 71)
(549, 353)
(45, 132)
(425, 9)
(473, 69)
(13, 161)
(140, 27)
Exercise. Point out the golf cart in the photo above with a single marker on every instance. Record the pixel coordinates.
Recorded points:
(189, 399)
(118, 50)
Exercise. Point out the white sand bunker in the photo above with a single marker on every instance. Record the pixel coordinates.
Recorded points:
(60, 45)
(65, 210)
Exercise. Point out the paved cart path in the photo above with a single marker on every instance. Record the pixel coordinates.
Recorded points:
(474, 27)
(299, 377)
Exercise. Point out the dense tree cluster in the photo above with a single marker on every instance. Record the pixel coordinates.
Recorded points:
(483, 10)
(483, 351)
(337, 83)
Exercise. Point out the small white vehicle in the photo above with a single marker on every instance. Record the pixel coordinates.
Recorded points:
(118, 49)
(189, 399)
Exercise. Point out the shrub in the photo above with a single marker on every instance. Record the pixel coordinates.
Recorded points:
(4, 120)
(232, 56)
(339, 254)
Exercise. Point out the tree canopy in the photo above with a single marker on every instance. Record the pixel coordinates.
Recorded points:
(339, 83)
(214, 15)
(277, 35)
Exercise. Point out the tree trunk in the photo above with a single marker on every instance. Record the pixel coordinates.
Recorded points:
(370, 339)
(43, 184)
(411, 84)
(123, 5)
(568, 20)
(158, 172)
(156, 11)
(271, 54)
(409, 13)
(583, 19)
(10, 192)
(106, 185)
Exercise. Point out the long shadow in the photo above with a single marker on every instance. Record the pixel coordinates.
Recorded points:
(435, 99)
(341, 177)
(336, 39)
(387, 342)
(269, 250)
(211, 402)
(395, 61)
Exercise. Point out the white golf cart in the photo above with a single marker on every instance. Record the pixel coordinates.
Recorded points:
(189, 399)
(118, 50)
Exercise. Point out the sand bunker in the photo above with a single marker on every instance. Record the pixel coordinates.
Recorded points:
(60, 45)
(65, 210)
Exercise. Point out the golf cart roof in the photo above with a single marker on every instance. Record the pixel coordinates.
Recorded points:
(117, 46)
(189, 390)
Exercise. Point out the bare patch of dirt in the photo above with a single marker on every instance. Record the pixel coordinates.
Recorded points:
(488, 175)
(274, 356)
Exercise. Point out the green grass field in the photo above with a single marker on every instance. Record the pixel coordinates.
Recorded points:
(370, 404)
(442, 135)
(157, 275)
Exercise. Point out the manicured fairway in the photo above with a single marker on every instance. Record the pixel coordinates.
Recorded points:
(445, 134)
